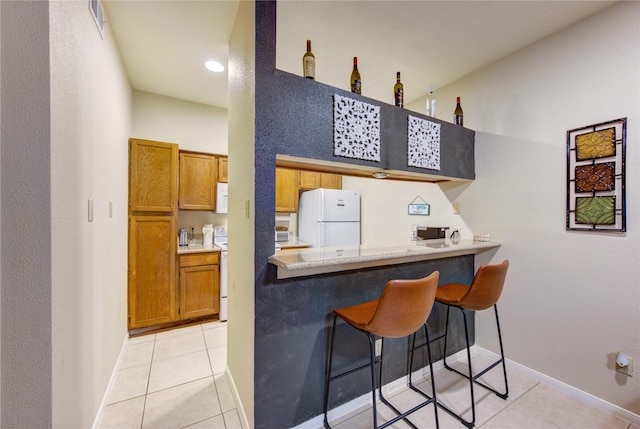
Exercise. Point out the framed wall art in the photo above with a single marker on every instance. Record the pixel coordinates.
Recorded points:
(596, 177)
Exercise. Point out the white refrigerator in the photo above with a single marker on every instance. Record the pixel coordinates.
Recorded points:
(329, 217)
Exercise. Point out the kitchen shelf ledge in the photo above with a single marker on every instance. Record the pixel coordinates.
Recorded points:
(321, 260)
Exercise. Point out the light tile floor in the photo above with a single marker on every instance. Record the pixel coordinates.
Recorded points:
(176, 379)
(173, 379)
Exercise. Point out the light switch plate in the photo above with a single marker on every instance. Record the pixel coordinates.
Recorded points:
(90, 210)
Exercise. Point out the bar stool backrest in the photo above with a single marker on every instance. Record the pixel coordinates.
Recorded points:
(486, 287)
(404, 306)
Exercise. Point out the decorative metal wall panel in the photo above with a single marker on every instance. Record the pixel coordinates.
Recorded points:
(423, 150)
(356, 129)
(596, 177)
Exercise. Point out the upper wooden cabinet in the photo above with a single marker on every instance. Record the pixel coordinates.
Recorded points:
(198, 178)
(153, 176)
(286, 190)
(223, 169)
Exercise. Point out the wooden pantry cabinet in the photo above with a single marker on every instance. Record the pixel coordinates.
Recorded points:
(153, 206)
(199, 284)
(198, 178)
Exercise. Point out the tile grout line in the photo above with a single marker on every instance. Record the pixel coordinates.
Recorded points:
(146, 394)
(509, 404)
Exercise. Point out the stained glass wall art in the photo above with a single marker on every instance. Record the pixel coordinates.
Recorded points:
(596, 177)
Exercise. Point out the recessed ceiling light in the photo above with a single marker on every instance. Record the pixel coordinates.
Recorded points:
(380, 175)
(214, 66)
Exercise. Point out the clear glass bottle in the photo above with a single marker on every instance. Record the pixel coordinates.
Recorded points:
(431, 103)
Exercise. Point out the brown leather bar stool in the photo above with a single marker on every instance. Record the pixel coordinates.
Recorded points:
(483, 294)
(401, 310)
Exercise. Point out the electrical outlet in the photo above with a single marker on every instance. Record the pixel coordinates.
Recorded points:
(378, 345)
(456, 208)
(628, 369)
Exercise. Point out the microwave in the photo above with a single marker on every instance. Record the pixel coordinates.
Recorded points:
(222, 197)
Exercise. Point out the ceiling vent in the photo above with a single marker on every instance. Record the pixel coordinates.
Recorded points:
(95, 6)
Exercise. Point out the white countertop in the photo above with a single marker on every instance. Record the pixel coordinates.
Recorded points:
(318, 260)
(197, 248)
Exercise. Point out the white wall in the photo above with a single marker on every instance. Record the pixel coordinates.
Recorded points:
(572, 298)
(384, 208)
(25, 233)
(90, 125)
(240, 327)
(193, 126)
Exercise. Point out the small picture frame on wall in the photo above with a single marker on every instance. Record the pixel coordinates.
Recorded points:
(596, 177)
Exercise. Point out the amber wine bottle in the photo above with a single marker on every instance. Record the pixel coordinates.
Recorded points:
(356, 82)
(457, 114)
(398, 92)
(309, 63)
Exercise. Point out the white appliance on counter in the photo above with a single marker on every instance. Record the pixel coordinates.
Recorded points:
(329, 217)
(220, 240)
(222, 197)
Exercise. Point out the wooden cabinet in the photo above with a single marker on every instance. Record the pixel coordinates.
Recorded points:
(223, 169)
(153, 205)
(308, 180)
(152, 276)
(290, 182)
(286, 190)
(199, 284)
(153, 176)
(198, 178)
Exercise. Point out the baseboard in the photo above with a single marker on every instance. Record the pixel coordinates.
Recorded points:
(565, 388)
(234, 391)
(112, 379)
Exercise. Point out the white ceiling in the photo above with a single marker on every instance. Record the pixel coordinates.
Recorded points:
(164, 43)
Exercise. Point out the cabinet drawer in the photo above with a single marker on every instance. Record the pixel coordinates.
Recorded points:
(195, 259)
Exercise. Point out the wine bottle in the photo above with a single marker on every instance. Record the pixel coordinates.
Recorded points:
(398, 92)
(431, 103)
(457, 114)
(309, 63)
(356, 81)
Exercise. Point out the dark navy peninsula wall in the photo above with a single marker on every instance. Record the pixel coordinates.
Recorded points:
(294, 117)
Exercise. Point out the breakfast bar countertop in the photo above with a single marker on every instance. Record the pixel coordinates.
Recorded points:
(319, 260)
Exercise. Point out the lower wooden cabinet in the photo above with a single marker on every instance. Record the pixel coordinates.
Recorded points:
(199, 284)
(152, 273)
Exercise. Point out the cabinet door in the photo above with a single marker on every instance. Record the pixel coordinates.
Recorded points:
(199, 290)
(286, 190)
(198, 177)
(152, 270)
(309, 180)
(153, 176)
(223, 169)
(330, 181)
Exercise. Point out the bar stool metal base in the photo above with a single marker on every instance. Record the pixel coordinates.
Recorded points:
(473, 379)
(377, 384)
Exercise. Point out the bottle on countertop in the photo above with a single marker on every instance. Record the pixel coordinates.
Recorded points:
(356, 81)
(431, 103)
(309, 63)
(398, 92)
(457, 114)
